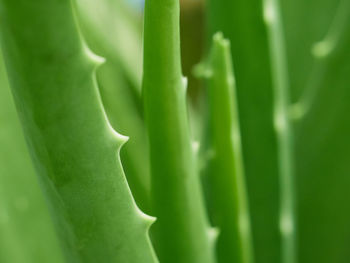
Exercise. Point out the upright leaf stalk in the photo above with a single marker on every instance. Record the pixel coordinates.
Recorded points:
(283, 128)
(182, 231)
(226, 171)
(241, 21)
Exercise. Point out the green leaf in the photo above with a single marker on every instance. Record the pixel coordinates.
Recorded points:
(182, 232)
(112, 28)
(284, 129)
(112, 31)
(23, 211)
(242, 23)
(225, 168)
(124, 116)
(318, 45)
(73, 147)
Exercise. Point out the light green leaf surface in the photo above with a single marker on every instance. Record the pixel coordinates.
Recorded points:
(112, 28)
(114, 32)
(73, 147)
(25, 224)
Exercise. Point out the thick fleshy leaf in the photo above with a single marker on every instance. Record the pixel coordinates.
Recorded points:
(113, 31)
(25, 224)
(182, 232)
(72, 145)
(225, 170)
(242, 23)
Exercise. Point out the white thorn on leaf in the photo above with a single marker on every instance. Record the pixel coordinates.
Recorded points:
(286, 224)
(280, 121)
(269, 12)
(195, 146)
(213, 233)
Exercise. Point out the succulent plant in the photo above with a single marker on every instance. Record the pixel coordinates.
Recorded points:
(108, 153)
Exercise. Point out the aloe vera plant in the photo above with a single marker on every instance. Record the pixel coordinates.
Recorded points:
(242, 22)
(120, 77)
(322, 82)
(225, 168)
(78, 166)
(248, 165)
(23, 213)
(177, 198)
